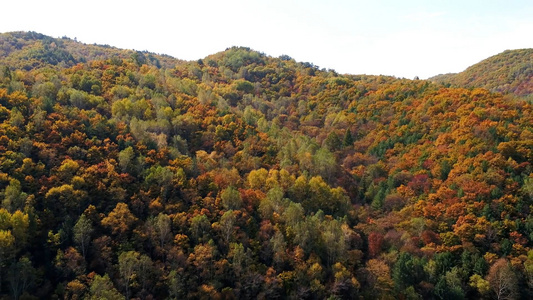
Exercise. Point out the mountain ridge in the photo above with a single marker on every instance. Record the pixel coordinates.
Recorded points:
(520, 68)
(508, 72)
(71, 50)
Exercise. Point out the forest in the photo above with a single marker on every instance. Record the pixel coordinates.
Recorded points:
(132, 175)
(507, 72)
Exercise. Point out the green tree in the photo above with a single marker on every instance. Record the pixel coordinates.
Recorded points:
(407, 271)
(17, 119)
(333, 142)
(244, 86)
(163, 228)
(443, 262)
(176, 284)
(239, 257)
(14, 198)
(273, 203)
(293, 214)
(160, 179)
(278, 246)
(347, 141)
(445, 168)
(449, 286)
(21, 276)
(79, 99)
(324, 164)
(307, 234)
(83, 230)
(333, 241)
(102, 288)
(227, 225)
(125, 159)
(231, 198)
(6, 72)
(128, 262)
(200, 227)
(145, 270)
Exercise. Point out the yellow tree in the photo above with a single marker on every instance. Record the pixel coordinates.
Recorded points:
(120, 219)
(379, 278)
(20, 223)
(7, 241)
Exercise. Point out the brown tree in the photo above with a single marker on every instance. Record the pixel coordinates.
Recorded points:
(503, 280)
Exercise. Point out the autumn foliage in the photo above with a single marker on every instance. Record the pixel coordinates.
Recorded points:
(126, 174)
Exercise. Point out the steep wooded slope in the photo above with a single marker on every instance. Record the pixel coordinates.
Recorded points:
(246, 176)
(30, 50)
(508, 72)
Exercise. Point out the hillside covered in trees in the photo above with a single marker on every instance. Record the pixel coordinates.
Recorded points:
(126, 174)
(508, 72)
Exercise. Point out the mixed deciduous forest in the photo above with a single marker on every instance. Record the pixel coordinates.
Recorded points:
(131, 175)
(507, 72)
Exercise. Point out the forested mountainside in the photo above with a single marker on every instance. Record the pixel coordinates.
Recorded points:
(31, 50)
(510, 72)
(126, 174)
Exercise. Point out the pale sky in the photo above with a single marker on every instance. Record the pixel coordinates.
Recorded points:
(403, 38)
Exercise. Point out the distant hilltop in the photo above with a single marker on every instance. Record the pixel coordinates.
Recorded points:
(508, 72)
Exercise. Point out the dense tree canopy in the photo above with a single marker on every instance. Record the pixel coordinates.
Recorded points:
(127, 174)
(508, 72)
